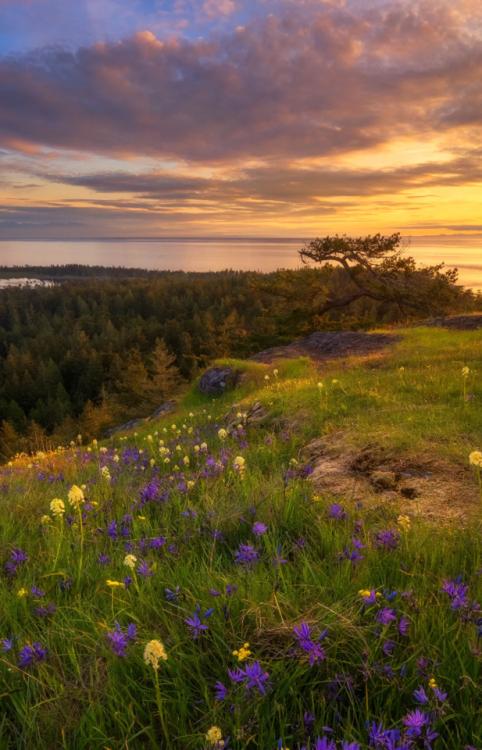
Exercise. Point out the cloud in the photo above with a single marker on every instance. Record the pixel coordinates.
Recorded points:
(315, 81)
(216, 8)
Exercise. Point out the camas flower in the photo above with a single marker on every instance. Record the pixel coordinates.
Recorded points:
(385, 616)
(33, 654)
(17, 557)
(259, 528)
(195, 622)
(255, 677)
(154, 651)
(221, 691)
(57, 507)
(246, 555)
(415, 721)
(336, 511)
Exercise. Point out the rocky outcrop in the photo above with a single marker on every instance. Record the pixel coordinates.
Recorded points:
(216, 380)
(168, 406)
(325, 345)
(457, 322)
(164, 408)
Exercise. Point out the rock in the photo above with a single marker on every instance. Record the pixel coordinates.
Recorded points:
(253, 416)
(168, 406)
(216, 380)
(126, 426)
(326, 345)
(385, 480)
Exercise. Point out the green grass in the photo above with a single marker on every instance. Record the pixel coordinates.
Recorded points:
(84, 696)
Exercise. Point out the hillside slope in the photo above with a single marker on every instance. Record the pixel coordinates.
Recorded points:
(290, 607)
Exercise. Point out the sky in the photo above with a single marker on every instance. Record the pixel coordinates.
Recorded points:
(218, 118)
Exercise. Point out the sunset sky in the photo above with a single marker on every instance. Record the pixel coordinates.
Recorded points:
(281, 118)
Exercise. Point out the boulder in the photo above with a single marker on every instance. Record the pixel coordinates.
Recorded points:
(168, 406)
(126, 426)
(216, 380)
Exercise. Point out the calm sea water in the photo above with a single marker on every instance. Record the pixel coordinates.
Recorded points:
(465, 252)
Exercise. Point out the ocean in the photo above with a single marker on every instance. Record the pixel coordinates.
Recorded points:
(242, 254)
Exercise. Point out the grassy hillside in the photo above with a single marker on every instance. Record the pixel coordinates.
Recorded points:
(361, 615)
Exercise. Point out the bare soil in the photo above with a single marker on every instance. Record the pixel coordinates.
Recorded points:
(431, 488)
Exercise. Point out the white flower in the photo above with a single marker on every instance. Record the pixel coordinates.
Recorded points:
(153, 652)
(130, 561)
(57, 506)
(76, 496)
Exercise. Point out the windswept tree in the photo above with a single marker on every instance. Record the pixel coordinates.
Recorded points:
(376, 269)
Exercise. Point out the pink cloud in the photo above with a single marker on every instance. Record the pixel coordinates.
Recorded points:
(314, 81)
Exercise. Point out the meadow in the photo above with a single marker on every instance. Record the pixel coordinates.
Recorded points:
(186, 586)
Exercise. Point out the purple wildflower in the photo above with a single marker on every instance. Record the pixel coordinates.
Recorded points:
(33, 654)
(345, 745)
(112, 530)
(246, 555)
(385, 616)
(439, 695)
(259, 528)
(420, 695)
(324, 744)
(44, 611)
(403, 625)
(37, 593)
(144, 569)
(118, 641)
(103, 560)
(415, 721)
(387, 539)
(221, 691)
(17, 557)
(172, 596)
(127, 581)
(277, 559)
(157, 543)
(195, 622)
(337, 511)
(255, 677)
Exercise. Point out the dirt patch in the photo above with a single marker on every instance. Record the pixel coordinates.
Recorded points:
(458, 322)
(326, 345)
(432, 488)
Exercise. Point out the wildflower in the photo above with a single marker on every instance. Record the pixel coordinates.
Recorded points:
(45, 520)
(105, 473)
(404, 522)
(387, 539)
(266, 377)
(130, 561)
(7, 643)
(221, 691)
(243, 652)
(113, 584)
(403, 625)
(438, 694)
(415, 721)
(246, 555)
(320, 385)
(385, 616)
(324, 744)
(239, 465)
(420, 695)
(57, 507)
(33, 654)
(214, 735)
(350, 745)
(76, 497)
(465, 372)
(103, 560)
(277, 560)
(127, 581)
(154, 651)
(475, 458)
(172, 596)
(336, 511)
(37, 593)
(17, 557)
(195, 622)
(259, 528)
(222, 434)
(255, 677)
(369, 597)
(145, 570)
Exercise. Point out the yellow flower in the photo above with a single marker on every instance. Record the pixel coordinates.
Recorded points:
(22, 592)
(114, 583)
(105, 472)
(320, 385)
(266, 377)
(475, 458)
(196, 448)
(76, 496)
(185, 460)
(243, 652)
(214, 735)
(204, 446)
(149, 437)
(153, 652)
(222, 434)
(57, 507)
(465, 372)
(45, 519)
(173, 427)
(275, 372)
(432, 683)
(130, 561)
(404, 522)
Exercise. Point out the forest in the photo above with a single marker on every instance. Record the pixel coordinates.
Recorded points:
(109, 345)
